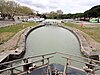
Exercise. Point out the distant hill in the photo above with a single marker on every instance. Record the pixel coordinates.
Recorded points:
(93, 12)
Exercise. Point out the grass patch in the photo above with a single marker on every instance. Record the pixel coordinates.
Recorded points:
(4, 36)
(94, 32)
(7, 32)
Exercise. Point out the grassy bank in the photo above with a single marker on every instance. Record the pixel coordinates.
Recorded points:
(7, 32)
(94, 32)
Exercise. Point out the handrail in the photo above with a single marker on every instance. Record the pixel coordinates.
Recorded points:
(95, 67)
(42, 60)
(24, 64)
(47, 55)
(27, 58)
(79, 57)
(81, 61)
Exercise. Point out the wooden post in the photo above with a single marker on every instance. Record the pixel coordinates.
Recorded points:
(11, 69)
(70, 60)
(49, 69)
(43, 60)
(48, 60)
(25, 67)
(65, 69)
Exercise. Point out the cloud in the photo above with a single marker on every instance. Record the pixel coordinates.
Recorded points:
(89, 2)
(68, 6)
(39, 6)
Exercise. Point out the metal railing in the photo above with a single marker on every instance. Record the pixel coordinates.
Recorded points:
(45, 59)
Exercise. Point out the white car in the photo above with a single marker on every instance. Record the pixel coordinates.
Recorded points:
(35, 19)
(31, 20)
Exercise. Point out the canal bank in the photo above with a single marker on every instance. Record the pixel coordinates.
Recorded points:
(89, 47)
(85, 48)
(16, 46)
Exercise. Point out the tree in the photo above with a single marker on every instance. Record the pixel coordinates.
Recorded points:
(52, 15)
(13, 8)
(93, 12)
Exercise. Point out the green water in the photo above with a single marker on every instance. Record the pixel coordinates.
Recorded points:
(49, 39)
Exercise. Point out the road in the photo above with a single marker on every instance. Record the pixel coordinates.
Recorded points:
(87, 24)
(8, 23)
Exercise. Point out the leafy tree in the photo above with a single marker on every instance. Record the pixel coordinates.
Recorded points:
(93, 12)
(11, 8)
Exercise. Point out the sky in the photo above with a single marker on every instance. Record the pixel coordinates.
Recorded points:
(67, 6)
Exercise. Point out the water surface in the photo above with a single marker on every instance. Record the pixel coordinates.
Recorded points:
(49, 39)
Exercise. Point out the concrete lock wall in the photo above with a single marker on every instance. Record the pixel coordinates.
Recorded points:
(19, 52)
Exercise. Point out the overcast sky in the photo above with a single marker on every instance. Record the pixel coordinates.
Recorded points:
(67, 6)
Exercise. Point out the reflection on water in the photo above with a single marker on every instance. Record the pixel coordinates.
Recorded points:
(49, 39)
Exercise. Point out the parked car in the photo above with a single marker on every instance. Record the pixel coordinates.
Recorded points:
(35, 19)
(94, 20)
(24, 20)
(31, 20)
